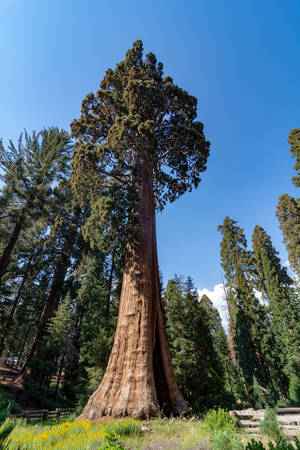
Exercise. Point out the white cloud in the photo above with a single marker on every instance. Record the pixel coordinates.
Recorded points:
(217, 296)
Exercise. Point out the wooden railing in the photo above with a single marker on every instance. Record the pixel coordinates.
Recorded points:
(43, 414)
(288, 419)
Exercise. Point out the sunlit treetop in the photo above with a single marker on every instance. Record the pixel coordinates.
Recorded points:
(294, 141)
(137, 116)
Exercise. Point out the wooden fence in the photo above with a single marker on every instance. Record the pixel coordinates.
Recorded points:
(288, 419)
(43, 414)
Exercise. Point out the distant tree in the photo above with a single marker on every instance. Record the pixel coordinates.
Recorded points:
(294, 141)
(262, 244)
(65, 233)
(97, 317)
(220, 341)
(248, 323)
(138, 145)
(288, 214)
(234, 255)
(28, 173)
(197, 366)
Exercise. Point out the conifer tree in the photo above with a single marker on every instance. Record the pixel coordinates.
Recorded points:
(97, 327)
(247, 316)
(294, 141)
(261, 243)
(288, 214)
(138, 145)
(29, 171)
(221, 345)
(233, 255)
(65, 233)
(198, 368)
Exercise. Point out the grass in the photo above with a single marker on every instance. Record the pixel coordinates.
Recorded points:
(69, 435)
(216, 432)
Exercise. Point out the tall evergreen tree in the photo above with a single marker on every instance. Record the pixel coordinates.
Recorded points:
(247, 316)
(197, 366)
(288, 214)
(65, 233)
(138, 145)
(234, 254)
(294, 141)
(262, 244)
(29, 171)
(221, 346)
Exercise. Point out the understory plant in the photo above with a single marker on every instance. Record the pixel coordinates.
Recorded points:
(281, 443)
(269, 425)
(218, 420)
(226, 440)
(6, 428)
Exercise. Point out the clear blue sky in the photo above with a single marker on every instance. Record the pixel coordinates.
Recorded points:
(239, 58)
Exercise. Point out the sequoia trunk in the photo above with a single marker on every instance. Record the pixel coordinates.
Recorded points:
(139, 379)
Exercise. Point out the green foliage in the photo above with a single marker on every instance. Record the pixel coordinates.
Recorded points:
(28, 172)
(247, 318)
(6, 427)
(111, 441)
(5, 401)
(294, 387)
(281, 443)
(255, 445)
(294, 141)
(198, 368)
(226, 440)
(269, 425)
(288, 214)
(125, 428)
(218, 420)
(258, 397)
(136, 119)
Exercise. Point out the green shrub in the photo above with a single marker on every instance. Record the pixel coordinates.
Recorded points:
(226, 440)
(294, 389)
(280, 444)
(255, 445)
(111, 441)
(5, 400)
(269, 425)
(218, 420)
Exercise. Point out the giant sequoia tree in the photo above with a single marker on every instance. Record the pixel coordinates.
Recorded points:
(138, 145)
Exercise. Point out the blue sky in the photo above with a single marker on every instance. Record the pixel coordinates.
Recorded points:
(239, 58)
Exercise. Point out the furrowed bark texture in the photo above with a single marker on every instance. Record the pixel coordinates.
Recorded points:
(139, 379)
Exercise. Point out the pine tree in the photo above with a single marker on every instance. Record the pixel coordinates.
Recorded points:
(247, 316)
(138, 145)
(221, 345)
(294, 141)
(29, 171)
(288, 214)
(198, 369)
(65, 233)
(261, 242)
(97, 327)
(234, 255)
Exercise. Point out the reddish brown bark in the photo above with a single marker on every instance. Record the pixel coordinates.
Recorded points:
(139, 379)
